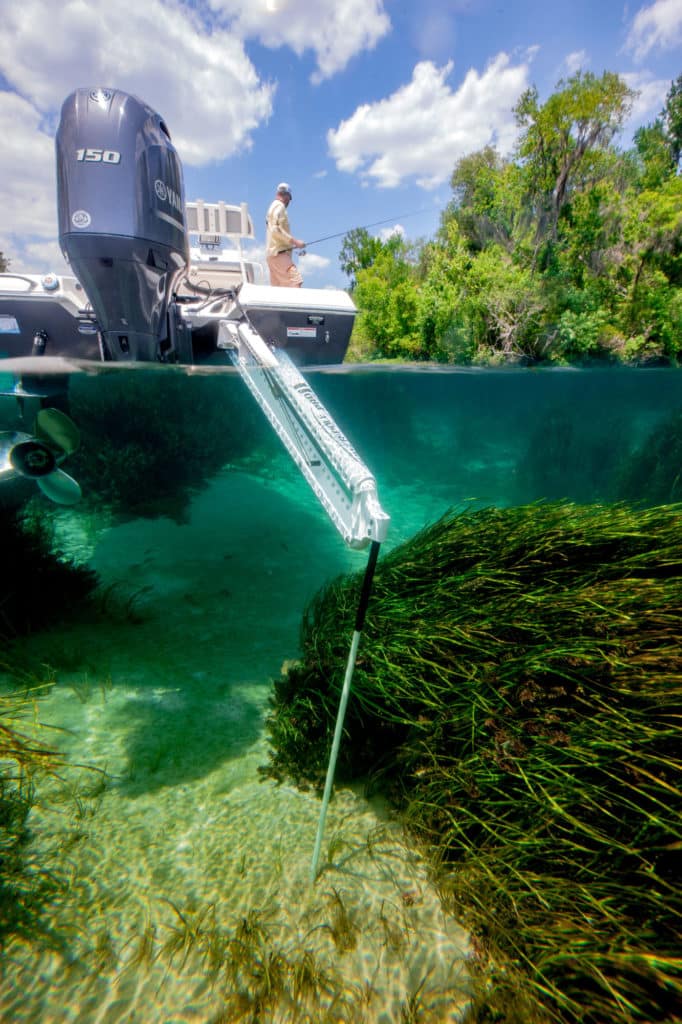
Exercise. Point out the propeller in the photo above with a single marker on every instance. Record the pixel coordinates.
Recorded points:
(38, 457)
(61, 488)
(54, 426)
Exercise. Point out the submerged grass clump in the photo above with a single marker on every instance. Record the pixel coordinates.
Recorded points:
(38, 585)
(25, 885)
(151, 440)
(517, 695)
(653, 474)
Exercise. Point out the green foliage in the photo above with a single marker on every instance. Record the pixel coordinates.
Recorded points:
(570, 251)
(439, 315)
(651, 268)
(579, 335)
(589, 227)
(488, 200)
(441, 326)
(672, 118)
(387, 298)
(503, 306)
(517, 694)
(358, 252)
(653, 149)
(4, 263)
(583, 114)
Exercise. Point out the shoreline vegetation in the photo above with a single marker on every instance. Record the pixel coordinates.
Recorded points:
(517, 699)
(567, 252)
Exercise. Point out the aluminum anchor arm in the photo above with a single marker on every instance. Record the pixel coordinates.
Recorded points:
(342, 483)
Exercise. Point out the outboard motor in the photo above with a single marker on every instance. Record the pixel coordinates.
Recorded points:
(121, 203)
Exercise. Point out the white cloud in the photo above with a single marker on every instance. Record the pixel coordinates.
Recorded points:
(650, 99)
(311, 264)
(335, 30)
(658, 26)
(421, 130)
(387, 233)
(201, 81)
(175, 54)
(26, 166)
(576, 61)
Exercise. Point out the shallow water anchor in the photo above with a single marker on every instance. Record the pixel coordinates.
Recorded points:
(345, 693)
(339, 479)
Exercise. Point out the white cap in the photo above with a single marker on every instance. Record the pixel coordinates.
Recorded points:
(284, 188)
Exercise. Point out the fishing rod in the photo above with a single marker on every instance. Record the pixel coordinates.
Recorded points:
(362, 227)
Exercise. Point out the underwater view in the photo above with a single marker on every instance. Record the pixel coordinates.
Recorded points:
(173, 647)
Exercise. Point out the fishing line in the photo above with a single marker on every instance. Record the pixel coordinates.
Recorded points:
(362, 227)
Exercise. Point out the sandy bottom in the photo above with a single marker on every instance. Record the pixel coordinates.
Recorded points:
(186, 891)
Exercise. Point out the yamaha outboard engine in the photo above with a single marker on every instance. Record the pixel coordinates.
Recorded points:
(121, 203)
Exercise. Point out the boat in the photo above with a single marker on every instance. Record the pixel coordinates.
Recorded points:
(51, 314)
(312, 325)
(156, 279)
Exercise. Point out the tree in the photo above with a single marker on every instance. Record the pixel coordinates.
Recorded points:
(570, 250)
(659, 145)
(443, 270)
(653, 149)
(651, 267)
(672, 117)
(386, 294)
(584, 114)
(358, 252)
(503, 306)
(4, 263)
(487, 199)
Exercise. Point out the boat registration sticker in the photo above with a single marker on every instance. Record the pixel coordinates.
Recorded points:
(9, 325)
(301, 332)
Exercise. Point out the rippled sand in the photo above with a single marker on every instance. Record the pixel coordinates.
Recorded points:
(186, 891)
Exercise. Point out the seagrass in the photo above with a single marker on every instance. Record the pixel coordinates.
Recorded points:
(38, 585)
(517, 696)
(25, 884)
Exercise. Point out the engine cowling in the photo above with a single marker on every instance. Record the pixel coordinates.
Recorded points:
(122, 226)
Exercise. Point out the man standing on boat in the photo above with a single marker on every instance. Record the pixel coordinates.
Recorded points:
(279, 241)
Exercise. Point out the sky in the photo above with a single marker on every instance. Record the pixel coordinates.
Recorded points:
(363, 106)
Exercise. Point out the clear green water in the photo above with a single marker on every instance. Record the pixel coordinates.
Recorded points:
(170, 706)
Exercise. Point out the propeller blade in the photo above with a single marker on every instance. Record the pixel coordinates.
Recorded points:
(55, 426)
(60, 487)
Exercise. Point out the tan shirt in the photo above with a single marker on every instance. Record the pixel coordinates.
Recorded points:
(278, 237)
